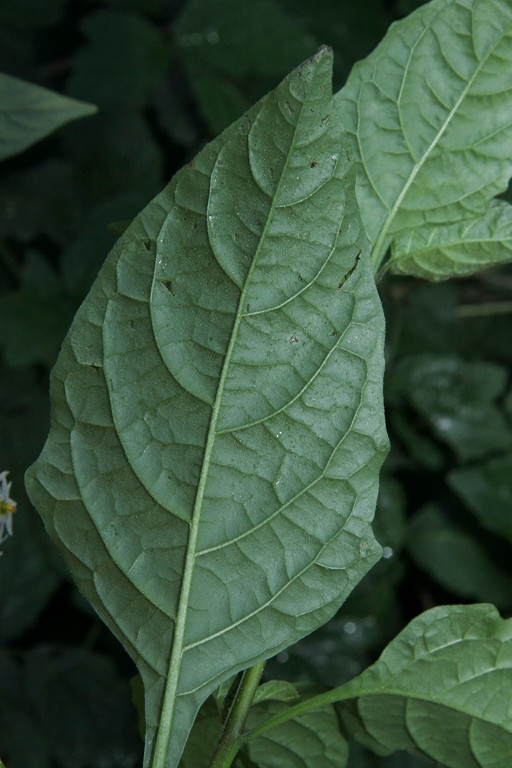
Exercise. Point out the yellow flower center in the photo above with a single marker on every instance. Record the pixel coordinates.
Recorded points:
(7, 506)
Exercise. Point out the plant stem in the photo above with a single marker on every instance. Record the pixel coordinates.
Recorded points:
(230, 742)
(309, 705)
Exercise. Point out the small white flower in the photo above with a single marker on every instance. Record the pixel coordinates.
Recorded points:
(7, 508)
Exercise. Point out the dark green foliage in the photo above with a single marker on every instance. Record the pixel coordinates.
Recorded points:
(49, 712)
(167, 77)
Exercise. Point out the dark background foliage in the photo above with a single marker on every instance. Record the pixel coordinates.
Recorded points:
(167, 76)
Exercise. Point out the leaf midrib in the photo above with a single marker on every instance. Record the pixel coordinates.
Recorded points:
(380, 243)
(171, 688)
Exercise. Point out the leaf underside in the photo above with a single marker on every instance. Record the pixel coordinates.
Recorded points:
(430, 114)
(217, 429)
(456, 250)
(440, 690)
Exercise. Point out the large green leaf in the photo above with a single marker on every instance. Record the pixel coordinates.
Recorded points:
(441, 689)
(217, 428)
(455, 250)
(430, 111)
(29, 113)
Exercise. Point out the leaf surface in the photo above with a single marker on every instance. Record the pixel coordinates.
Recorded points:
(217, 429)
(311, 739)
(28, 113)
(440, 690)
(425, 155)
(455, 250)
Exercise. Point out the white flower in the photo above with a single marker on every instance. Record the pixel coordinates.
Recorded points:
(7, 508)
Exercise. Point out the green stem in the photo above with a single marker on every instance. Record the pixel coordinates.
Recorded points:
(309, 705)
(232, 735)
(379, 251)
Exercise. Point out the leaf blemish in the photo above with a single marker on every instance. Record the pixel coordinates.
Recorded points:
(168, 284)
(350, 271)
(314, 164)
(293, 339)
(288, 107)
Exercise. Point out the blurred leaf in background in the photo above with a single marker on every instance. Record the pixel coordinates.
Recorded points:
(28, 113)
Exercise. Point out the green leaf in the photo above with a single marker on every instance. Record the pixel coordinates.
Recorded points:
(441, 689)
(231, 50)
(203, 738)
(217, 430)
(81, 261)
(309, 740)
(344, 646)
(456, 250)
(486, 489)
(414, 108)
(458, 559)
(130, 49)
(28, 113)
(278, 690)
(458, 400)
